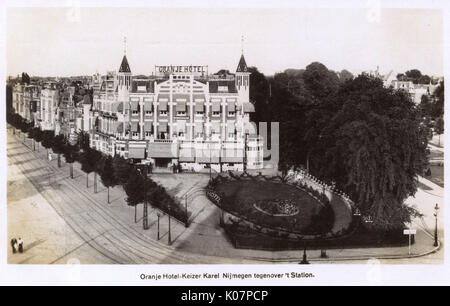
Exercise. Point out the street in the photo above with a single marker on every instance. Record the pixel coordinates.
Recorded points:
(61, 220)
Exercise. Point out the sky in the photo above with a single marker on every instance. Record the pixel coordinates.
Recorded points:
(67, 41)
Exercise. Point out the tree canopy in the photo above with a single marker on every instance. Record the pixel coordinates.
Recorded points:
(366, 138)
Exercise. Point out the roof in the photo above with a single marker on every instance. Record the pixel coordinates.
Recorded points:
(140, 83)
(124, 67)
(242, 66)
(214, 86)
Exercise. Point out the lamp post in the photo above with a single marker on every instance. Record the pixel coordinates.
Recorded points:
(143, 169)
(436, 209)
(304, 260)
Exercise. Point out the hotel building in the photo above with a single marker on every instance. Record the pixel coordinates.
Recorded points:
(180, 115)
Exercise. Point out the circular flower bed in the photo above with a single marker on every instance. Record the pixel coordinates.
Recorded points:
(277, 207)
(272, 205)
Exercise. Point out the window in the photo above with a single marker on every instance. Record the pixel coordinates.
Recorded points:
(199, 113)
(230, 135)
(148, 134)
(148, 112)
(231, 113)
(216, 113)
(181, 113)
(181, 134)
(135, 134)
(135, 112)
(163, 113)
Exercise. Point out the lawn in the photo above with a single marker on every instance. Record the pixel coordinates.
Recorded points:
(242, 196)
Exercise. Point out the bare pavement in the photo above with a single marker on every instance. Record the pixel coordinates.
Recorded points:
(62, 221)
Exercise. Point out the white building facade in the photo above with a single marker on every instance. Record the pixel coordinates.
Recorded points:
(179, 116)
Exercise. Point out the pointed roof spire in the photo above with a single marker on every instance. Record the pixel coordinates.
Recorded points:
(124, 67)
(242, 66)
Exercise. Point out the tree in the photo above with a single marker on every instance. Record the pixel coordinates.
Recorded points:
(87, 164)
(439, 128)
(96, 160)
(38, 136)
(31, 133)
(58, 147)
(47, 139)
(319, 80)
(375, 148)
(345, 75)
(83, 140)
(134, 188)
(437, 108)
(69, 155)
(107, 175)
(413, 75)
(121, 169)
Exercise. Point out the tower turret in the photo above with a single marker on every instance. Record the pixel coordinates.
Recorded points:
(243, 80)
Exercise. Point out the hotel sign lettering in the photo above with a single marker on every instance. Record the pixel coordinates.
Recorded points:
(191, 69)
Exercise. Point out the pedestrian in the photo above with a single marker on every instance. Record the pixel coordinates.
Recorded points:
(13, 245)
(20, 243)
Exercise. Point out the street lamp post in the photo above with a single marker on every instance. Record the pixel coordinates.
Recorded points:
(145, 217)
(304, 260)
(436, 209)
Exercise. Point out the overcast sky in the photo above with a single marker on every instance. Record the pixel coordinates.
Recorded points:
(61, 41)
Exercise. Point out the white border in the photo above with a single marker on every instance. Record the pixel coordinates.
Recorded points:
(335, 274)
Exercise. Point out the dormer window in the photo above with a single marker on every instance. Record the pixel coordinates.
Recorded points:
(222, 88)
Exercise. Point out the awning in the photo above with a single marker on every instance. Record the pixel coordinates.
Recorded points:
(199, 106)
(134, 105)
(162, 150)
(134, 126)
(231, 106)
(187, 155)
(148, 126)
(148, 106)
(198, 127)
(136, 153)
(162, 128)
(249, 108)
(216, 106)
(181, 106)
(163, 106)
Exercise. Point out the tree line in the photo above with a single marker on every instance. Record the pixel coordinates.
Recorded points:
(371, 141)
(113, 171)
